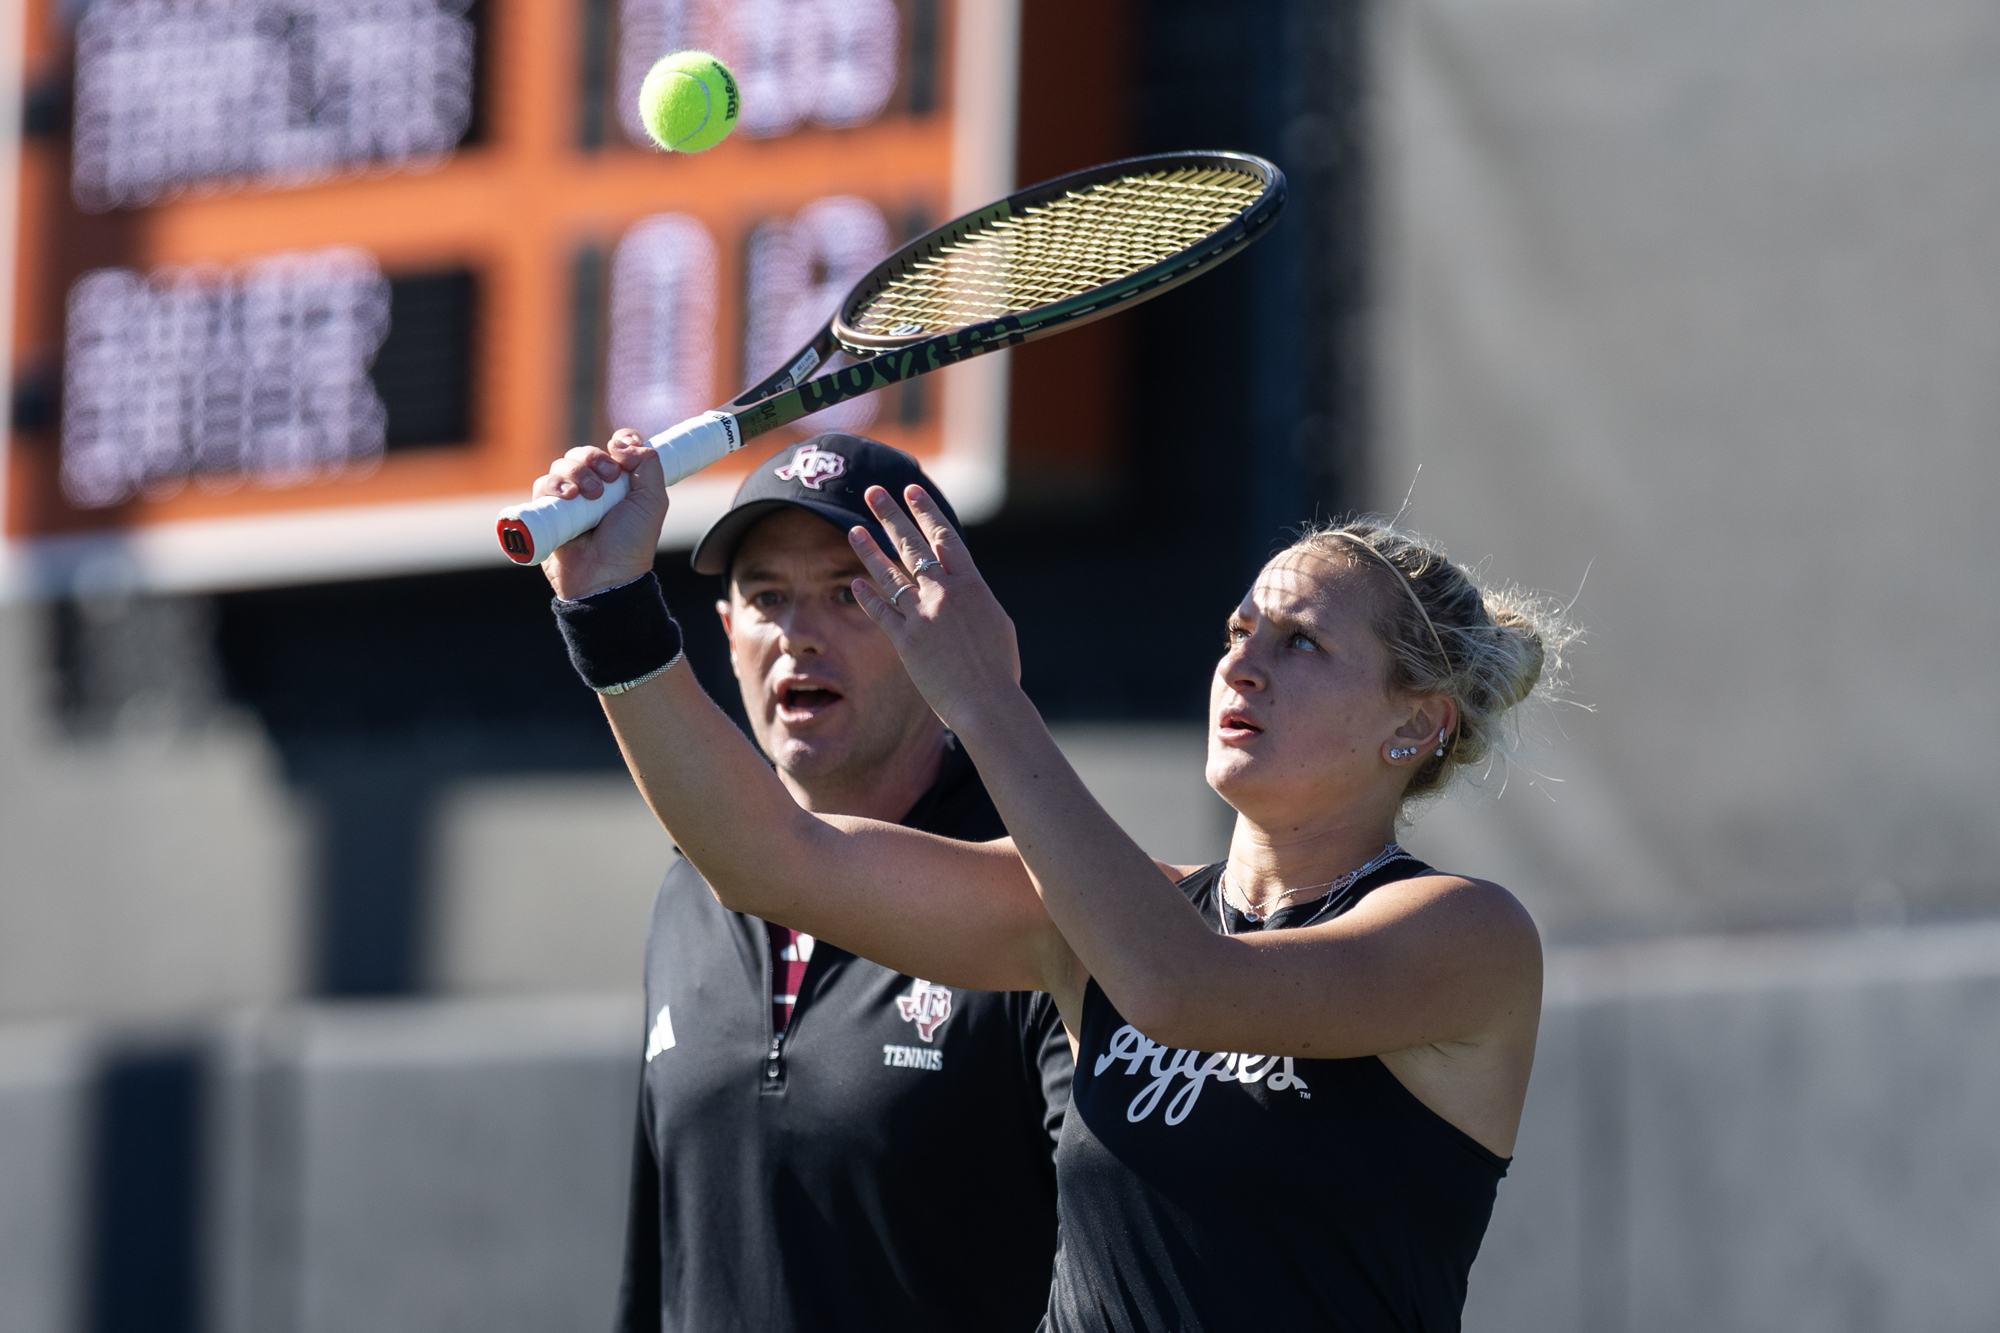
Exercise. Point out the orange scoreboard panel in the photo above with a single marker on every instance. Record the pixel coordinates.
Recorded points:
(307, 289)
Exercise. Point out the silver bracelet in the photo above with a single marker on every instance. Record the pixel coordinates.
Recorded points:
(641, 680)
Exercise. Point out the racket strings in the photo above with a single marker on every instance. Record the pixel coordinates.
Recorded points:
(1060, 249)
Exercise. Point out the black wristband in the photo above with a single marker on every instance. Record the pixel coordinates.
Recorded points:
(620, 637)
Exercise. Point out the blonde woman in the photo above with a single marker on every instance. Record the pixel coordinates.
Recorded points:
(1299, 1071)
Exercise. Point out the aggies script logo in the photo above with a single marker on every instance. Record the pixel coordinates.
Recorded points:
(927, 1005)
(1165, 1064)
(812, 467)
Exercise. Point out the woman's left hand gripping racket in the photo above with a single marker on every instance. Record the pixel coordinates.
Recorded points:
(1049, 258)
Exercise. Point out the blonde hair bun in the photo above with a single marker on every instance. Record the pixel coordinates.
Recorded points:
(1489, 649)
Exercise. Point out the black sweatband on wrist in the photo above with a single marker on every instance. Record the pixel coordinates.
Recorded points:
(621, 637)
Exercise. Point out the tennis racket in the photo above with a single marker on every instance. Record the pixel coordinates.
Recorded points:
(1049, 258)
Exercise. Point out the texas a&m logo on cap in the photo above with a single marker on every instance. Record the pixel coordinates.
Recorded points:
(927, 1005)
(813, 467)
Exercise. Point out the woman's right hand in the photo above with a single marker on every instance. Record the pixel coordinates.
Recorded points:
(956, 641)
(622, 546)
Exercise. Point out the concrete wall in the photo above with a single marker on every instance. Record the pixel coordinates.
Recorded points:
(42, 1128)
(1704, 298)
(154, 861)
(513, 912)
(1789, 1135)
(1149, 778)
(424, 1166)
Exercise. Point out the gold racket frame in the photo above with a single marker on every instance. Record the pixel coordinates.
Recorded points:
(1068, 249)
(1052, 257)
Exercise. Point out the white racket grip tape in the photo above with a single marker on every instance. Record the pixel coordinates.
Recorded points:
(691, 446)
(530, 533)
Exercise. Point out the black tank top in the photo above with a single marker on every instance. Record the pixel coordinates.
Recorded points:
(1209, 1192)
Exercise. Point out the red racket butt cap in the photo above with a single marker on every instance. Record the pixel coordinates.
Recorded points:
(516, 540)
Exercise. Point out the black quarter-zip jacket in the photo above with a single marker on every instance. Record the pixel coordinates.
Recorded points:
(886, 1164)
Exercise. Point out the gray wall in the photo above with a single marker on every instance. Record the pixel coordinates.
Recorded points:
(1705, 298)
(428, 1166)
(42, 1078)
(423, 1166)
(1745, 1134)
(154, 859)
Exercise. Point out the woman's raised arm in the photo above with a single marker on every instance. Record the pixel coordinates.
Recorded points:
(963, 914)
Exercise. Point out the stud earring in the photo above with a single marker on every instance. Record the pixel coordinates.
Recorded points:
(1402, 754)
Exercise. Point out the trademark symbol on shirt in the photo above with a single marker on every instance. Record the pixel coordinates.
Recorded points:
(661, 1038)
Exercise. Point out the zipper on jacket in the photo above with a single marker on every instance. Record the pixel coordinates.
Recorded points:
(774, 1051)
(774, 1064)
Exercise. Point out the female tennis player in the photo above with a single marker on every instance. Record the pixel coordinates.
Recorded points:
(1300, 1071)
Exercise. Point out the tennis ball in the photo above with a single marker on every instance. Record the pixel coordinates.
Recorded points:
(689, 102)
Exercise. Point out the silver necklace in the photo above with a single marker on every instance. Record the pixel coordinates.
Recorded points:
(1390, 852)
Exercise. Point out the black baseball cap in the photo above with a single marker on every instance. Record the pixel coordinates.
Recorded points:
(826, 475)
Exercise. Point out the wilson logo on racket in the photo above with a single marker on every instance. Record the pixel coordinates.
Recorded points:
(927, 1005)
(515, 541)
(812, 467)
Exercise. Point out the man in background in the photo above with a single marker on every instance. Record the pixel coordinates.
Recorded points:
(824, 1143)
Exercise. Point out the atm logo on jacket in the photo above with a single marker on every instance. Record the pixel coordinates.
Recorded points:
(927, 1005)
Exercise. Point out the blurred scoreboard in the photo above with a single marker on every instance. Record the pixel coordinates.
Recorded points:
(306, 289)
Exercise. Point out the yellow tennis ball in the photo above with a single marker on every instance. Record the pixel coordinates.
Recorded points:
(689, 102)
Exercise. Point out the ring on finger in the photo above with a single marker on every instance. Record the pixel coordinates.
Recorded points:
(925, 564)
(902, 588)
